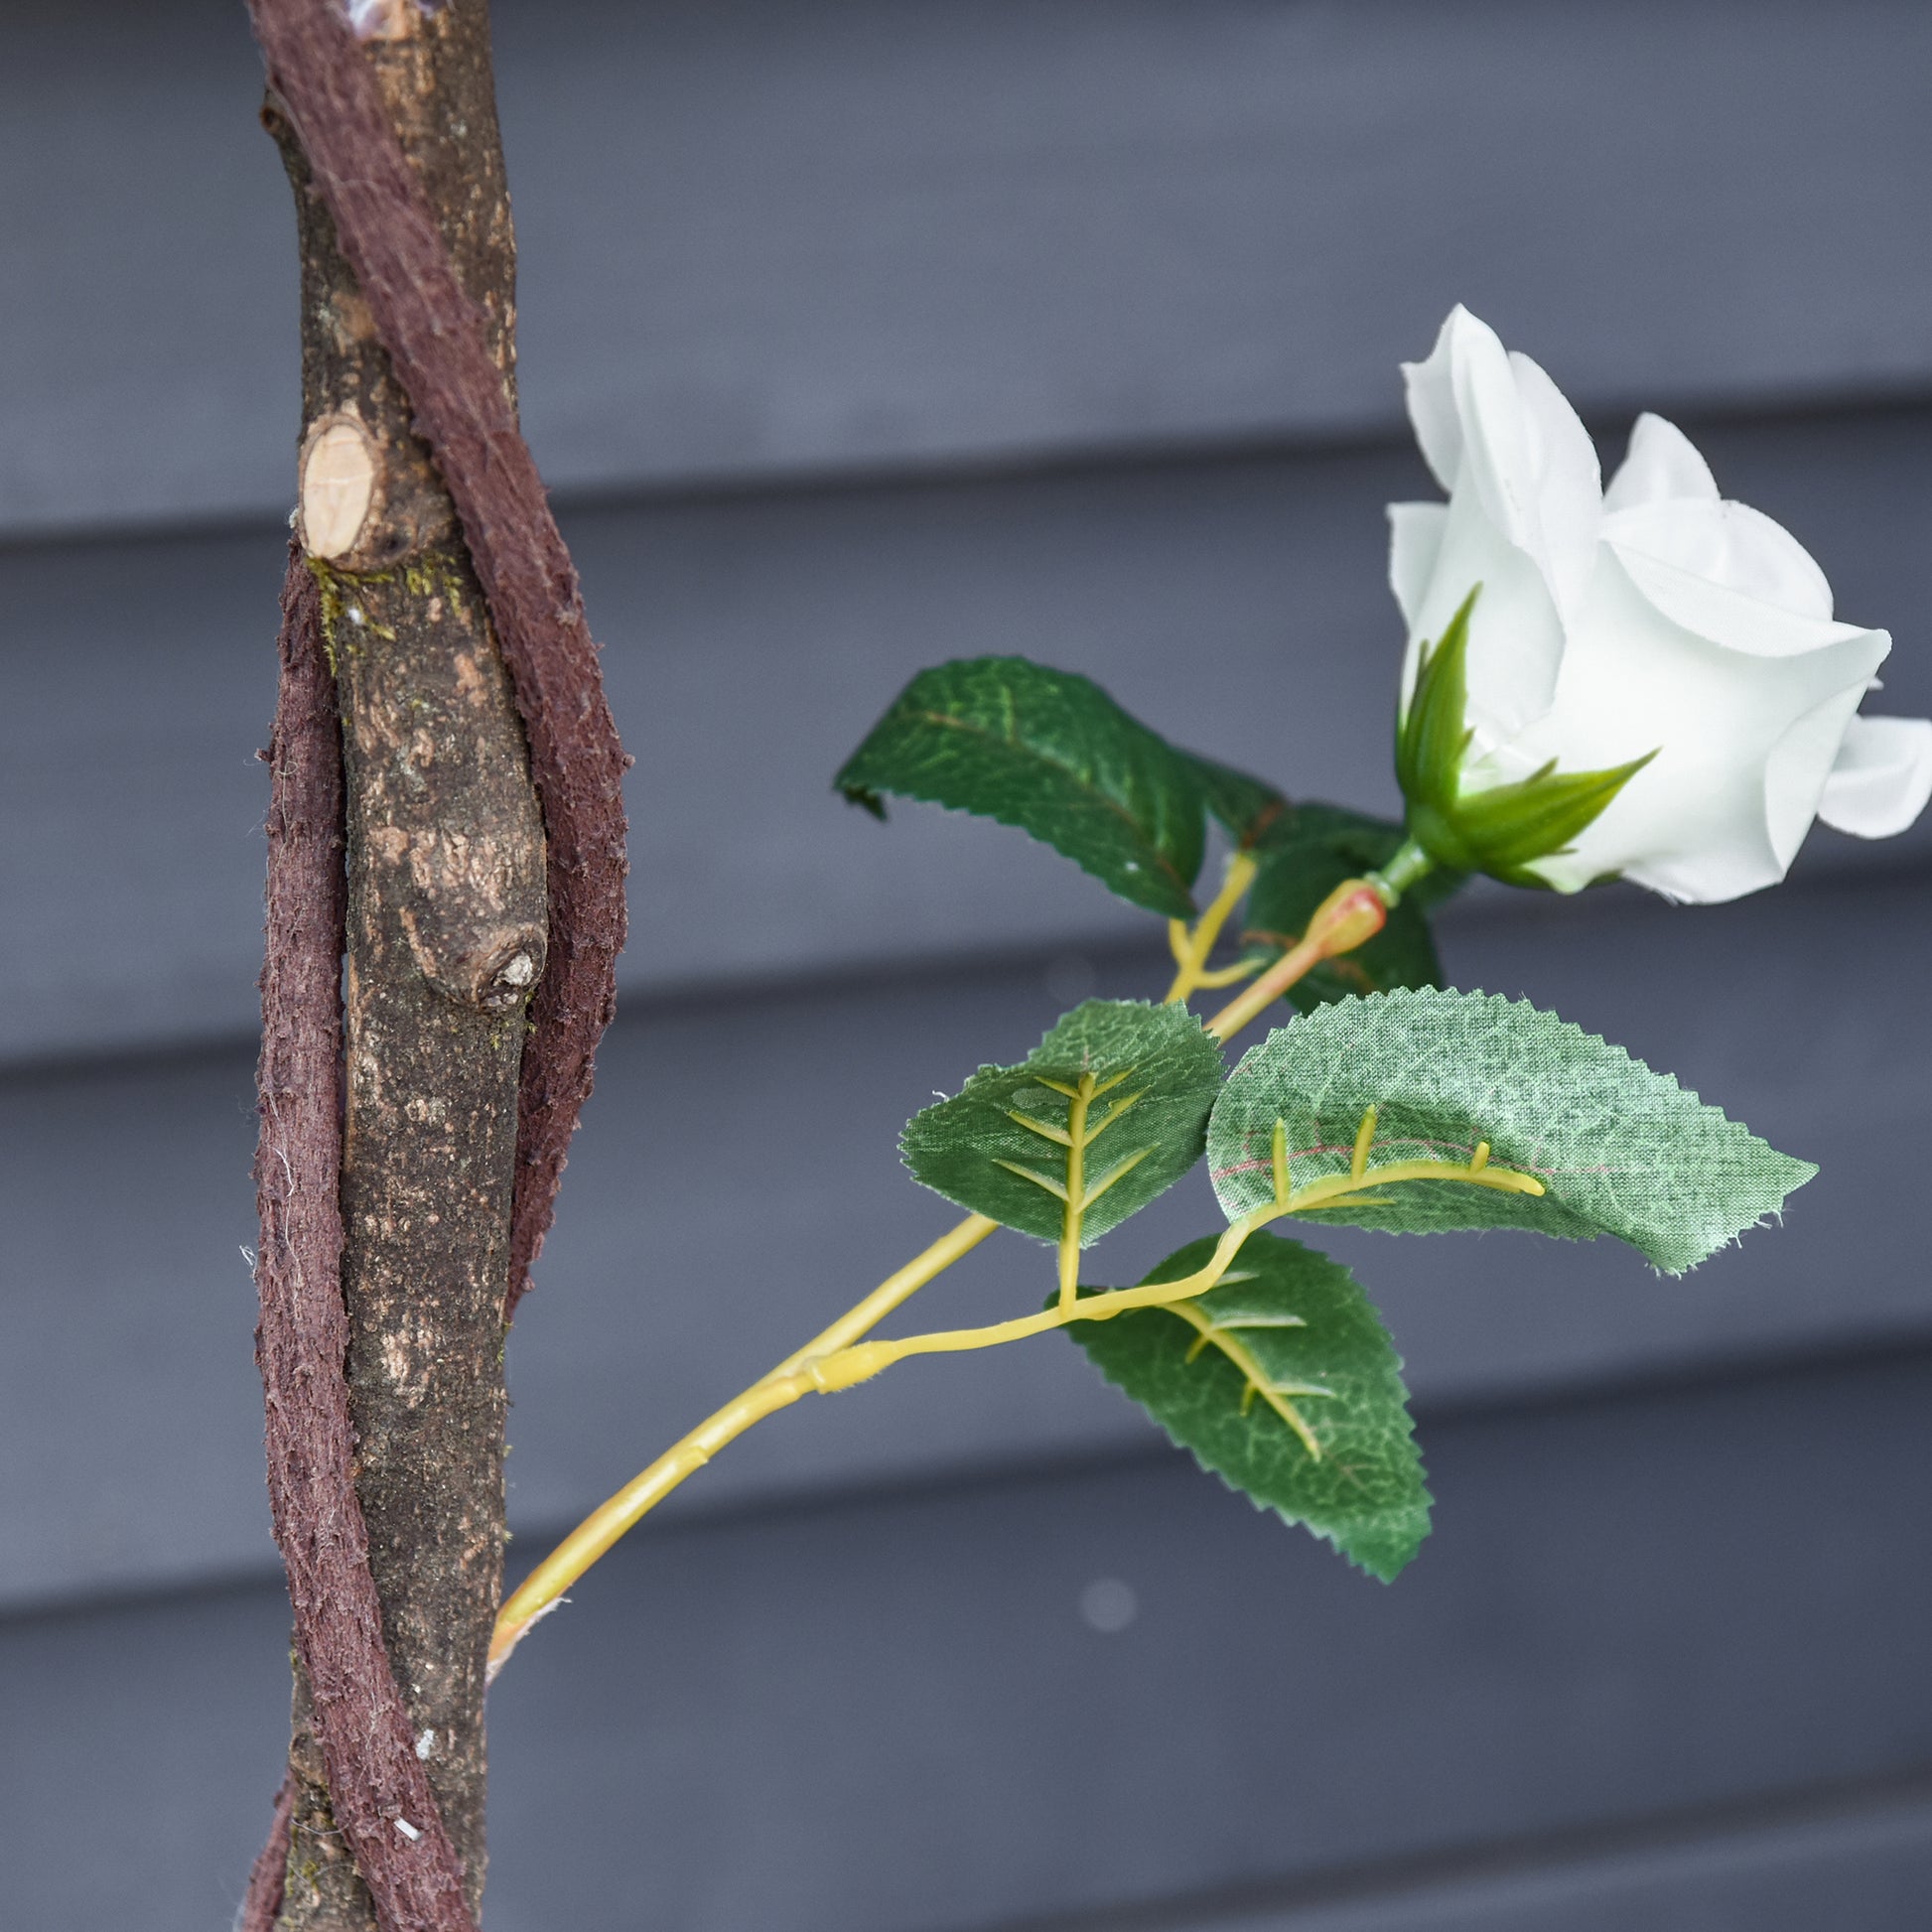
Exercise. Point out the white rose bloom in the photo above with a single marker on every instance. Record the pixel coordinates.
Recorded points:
(1649, 616)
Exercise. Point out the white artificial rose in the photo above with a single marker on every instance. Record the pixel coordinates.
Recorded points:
(1649, 618)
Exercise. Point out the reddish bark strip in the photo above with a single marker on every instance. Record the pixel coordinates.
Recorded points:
(263, 1899)
(434, 339)
(376, 1783)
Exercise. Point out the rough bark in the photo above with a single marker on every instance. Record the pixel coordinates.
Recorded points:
(304, 1339)
(445, 935)
(407, 347)
(436, 334)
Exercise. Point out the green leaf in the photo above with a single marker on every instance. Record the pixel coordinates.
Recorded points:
(1620, 1150)
(1312, 851)
(1250, 810)
(1224, 1373)
(1001, 1145)
(1052, 754)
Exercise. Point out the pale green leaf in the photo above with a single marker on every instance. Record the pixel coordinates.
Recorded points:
(1619, 1148)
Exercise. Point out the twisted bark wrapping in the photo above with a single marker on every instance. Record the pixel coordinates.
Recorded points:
(377, 1785)
(378, 1789)
(434, 339)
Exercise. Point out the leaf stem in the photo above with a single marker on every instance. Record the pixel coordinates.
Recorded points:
(1071, 1214)
(541, 1590)
(851, 1366)
(859, 1363)
(1191, 947)
(1276, 1395)
(839, 1358)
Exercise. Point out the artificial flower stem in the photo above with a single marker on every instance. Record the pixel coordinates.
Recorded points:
(1191, 947)
(1406, 869)
(864, 1360)
(540, 1592)
(1354, 911)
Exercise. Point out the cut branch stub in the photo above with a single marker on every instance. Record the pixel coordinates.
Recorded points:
(446, 933)
(448, 349)
(339, 486)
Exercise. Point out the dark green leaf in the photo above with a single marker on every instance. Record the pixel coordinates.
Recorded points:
(1620, 1150)
(1154, 1072)
(1052, 754)
(1224, 1373)
(1250, 810)
(1313, 848)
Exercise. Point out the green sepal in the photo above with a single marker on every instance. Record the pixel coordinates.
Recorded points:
(1621, 1150)
(1364, 1492)
(1504, 829)
(1164, 1070)
(1051, 753)
(1314, 850)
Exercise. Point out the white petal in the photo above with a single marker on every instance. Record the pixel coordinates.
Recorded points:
(1493, 425)
(1431, 388)
(1498, 459)
(1566, 482)
(1799, 768)
(1515, 634)
(1415, 543)
(1662, 466)
(1718, 813)
(1730, 544)
(1882, 778)
(1728, 614)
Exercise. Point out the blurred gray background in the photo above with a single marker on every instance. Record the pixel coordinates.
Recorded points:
(857, 334)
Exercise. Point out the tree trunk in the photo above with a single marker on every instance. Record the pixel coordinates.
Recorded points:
(446, 936)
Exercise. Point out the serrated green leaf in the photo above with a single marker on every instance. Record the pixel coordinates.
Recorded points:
(1308, 854)
(1000, 1146)
(1230, 1375)
(1249, 809)
(1621, 1150)
(1049, 751)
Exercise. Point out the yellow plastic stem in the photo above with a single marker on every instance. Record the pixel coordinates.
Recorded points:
(865, 1360)
(1192, 948)
(1075, 1211)
(1365, 1138)
(954, 1245)
(540, 1592)
(838, 1358)
(1225, 975)
(1276, 1395)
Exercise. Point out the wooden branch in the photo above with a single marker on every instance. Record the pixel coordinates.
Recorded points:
(304, 1334)
(437, 336)
(447, 1184)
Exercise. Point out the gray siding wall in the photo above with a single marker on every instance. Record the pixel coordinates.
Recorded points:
(858, 334)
